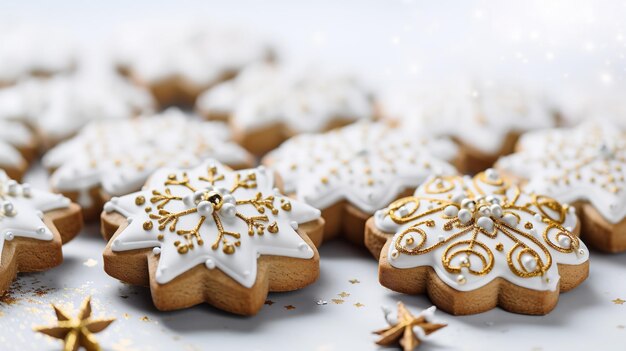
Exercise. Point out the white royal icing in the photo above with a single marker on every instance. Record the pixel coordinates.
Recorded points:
(196, 51)
(303, 99)
(367, 164)
(236, 253)
(22, 208)
(474, 230)
(13, 135)
(585, 104)
(120, 154)
(60, 106)
(29, 48)
(585, 163)
(478, 115)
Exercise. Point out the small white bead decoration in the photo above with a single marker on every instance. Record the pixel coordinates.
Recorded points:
(8, 236)
(294, 225)
(209, 263)
(156, 251)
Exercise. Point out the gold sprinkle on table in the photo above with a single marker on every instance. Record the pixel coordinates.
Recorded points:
(344, 294)
(269, 302)
(290, 307)
(337, 301)
(618, 301)
(354, 281)
(358, 305)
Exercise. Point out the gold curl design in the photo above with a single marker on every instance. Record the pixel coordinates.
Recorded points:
(541, 267)
(487, 262)
(445, 184)
(575, 242)
(542, 202)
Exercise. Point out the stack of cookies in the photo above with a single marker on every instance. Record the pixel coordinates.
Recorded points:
(213, 166)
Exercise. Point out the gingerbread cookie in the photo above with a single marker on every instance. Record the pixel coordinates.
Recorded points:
(57, 108)
(351, 172)
(29, 50)
(266, 104)
(18, 146)
(33, 225)
(213, 235)
(484, 119)
(113, 158)
(179, 60)
(584, 166)
(473, 244)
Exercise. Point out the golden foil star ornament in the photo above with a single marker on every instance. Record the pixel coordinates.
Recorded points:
(406, 329)
(77, 332)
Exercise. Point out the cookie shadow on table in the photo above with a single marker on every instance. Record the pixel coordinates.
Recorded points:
(572, 303)
(205, 318)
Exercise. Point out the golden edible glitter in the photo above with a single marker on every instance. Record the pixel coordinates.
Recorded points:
(528, 225)
(499, 247)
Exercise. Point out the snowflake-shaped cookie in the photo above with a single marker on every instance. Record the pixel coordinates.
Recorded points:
(118, 156)
(299, 100)
(475, 234)
(368, 165)
(58, 107)
(26, 214)
(211, 216)
(578, 165)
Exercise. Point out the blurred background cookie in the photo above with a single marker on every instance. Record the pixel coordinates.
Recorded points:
(267, 103)
(177, 60)
(115, 157)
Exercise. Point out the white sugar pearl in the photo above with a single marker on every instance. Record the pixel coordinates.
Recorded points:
(229, 199)
(394, 254)
(465, 216)
(565, 241)
(156, 251)
(496, 210)
(228, 210)
(27, 191)
(458, 198)
(12, 187)
(486, 223)
(41, 230)
(510, 219)
(189, 200)
(529, 262)
(209, 263)
(9, 236)
(538, 217)
(8, 208)
(294, 225)
(464, 261)
(451, 211)
(403, 211)
(460, 279)
(109, 207)
(492, 174)
(303, 246)
(205, 208)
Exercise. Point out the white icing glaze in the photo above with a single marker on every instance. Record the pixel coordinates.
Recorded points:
(13, 135)
(21, 208)
(60, 106)
(479, 115)
(120, 154)
(586, 163)
(239, 264)
(536, 237)
(196, 51)
(304, 99)
(29, 48)
(367, 164)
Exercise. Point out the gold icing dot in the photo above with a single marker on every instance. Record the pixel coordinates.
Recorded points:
(499, 247)
(273, 228)
(286, 206)
(148, 209)
(229, 249)
(370, 182)
(147, 225)
(171, 176)
(140, 200)
(528, 225)
(183, 249)
(410, 240)
(430, 223)
(160, 237)
(324, 180)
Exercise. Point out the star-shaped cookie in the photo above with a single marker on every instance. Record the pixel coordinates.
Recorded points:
(33, 225)
(585, 166)
(351, 172)
(209, 234)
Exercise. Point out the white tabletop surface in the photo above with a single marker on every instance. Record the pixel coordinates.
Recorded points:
(552, 44)
(584, 317)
